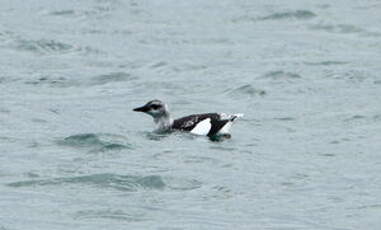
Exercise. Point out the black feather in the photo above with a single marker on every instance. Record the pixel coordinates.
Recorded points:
(189, 122)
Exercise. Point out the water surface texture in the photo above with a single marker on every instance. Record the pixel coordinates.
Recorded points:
(306, 74)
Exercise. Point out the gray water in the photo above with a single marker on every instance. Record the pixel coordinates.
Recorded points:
(306, 74)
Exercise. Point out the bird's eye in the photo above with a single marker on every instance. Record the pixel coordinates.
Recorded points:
(155, 106)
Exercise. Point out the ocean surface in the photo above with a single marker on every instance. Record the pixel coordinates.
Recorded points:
(306, 74)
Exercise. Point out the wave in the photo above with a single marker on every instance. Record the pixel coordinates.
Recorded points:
(105, 180)
(120, 215)
(284, 15)
(245, 90)
(296, 14)
(63, 81)
(326, 63)
(128, 183)
(51, 47)
(281, 75)
(44, 46)
(97, 142)
(340, 28)
(111, 77)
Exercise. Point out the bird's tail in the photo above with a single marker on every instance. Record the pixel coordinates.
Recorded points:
(230, 118)
(235, 116)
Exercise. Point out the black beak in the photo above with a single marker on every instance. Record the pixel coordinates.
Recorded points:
(142, 109)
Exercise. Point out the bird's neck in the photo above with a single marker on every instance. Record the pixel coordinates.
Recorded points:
(164, 122)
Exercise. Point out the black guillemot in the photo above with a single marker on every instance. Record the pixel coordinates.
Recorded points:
(207, 124)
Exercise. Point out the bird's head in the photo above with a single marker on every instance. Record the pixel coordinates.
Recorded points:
(155, 108)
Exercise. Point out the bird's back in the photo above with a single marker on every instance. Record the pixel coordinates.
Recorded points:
(204, 124)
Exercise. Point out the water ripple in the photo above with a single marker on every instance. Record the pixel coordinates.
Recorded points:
(105, 180)
(63, 13)
(99, 11)
(296, 14)
(340, 28)
(53, 81)
(96, 142)
(182, 184)
(50, 46)
(245, 90)
(65, 81)
(285, 118)
(112, 77)
(281, 75)
(110, 214)
(119, 182)
(326, 63)
(285, 15)
(44, 46)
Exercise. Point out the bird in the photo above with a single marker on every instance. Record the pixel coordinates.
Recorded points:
(205, 124)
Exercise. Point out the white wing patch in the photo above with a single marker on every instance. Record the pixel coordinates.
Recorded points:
(202, 128)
